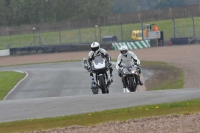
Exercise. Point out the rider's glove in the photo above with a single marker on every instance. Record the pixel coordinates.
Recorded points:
(109, 64)
(120, 71)
(89, 69)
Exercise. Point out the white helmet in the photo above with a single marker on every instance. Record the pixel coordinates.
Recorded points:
(95, 46)
(123, 50)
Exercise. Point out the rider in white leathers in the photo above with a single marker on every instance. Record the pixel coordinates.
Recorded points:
(127, 58)
(97, 51)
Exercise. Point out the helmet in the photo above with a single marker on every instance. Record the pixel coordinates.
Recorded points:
(95, 46)
(123, 49)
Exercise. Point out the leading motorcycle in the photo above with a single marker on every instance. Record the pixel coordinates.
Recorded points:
(100, 68)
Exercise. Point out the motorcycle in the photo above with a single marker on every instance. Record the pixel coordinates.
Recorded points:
(86, 64)
(100, 68)
(130, 77)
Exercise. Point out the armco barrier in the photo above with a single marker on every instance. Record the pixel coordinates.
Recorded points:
(54, 49)
(183, 40)
(132, 45)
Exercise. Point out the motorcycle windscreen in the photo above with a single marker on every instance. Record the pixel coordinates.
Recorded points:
(128, 63)
(98, 63)
(129, 70)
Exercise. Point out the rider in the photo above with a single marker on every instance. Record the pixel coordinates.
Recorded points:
(97, 51)
(127, 58)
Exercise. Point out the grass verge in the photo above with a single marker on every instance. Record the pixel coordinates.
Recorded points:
(165, 76)
(94, 118)
(8, 80)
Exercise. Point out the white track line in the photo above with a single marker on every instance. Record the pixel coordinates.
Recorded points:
(17, 83)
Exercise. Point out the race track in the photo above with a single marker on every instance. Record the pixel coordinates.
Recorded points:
(57, 80)
(185, 57)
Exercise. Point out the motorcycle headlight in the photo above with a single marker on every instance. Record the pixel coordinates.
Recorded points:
(133, 72)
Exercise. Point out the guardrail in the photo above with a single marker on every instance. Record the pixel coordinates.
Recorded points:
(54, 49)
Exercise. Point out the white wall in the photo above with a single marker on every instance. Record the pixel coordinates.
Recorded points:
(5, 52)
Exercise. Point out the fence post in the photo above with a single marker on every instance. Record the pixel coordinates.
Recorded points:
(33, 29)
(121, 32)
(79, 33)
(193, 26)
(10, 32)
(99, 33)
(174, 28)
(59, 36)
(95, 32)
(39, 36)
(141, 23)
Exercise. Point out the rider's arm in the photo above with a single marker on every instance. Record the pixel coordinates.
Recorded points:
(119, 62)
(107, 58)
(104, 54)
(135, 58)
(90, 57)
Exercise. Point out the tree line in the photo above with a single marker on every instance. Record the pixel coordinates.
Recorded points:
(18, 12)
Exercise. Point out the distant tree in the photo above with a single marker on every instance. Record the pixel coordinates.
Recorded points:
(92, 8)
(169, 3)
(5, 12)
(122, 6)
(192, 2)
(16, 12)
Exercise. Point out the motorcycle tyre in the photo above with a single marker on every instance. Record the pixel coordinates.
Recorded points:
(95, 91)
(131, 85)
(102, 84)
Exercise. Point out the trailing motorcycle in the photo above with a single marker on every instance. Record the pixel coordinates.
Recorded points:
(100, 69)
(130, 77)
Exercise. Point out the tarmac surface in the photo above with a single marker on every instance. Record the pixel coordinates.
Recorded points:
(185, 57)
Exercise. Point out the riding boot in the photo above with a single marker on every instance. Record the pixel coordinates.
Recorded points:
(91, 74)
(111, 76)
(124, 84)
(139, 81)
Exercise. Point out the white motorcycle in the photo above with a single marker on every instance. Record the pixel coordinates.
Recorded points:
(101, 78)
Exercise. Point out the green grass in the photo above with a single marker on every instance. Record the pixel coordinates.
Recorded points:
(153, 63)
(94, 118)
(171, 77)
(174, 81)
(8, 80)
(184, 28)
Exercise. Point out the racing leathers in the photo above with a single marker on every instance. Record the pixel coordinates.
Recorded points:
(127, 60)
(101, 52)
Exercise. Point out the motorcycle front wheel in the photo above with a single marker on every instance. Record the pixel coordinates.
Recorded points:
(102, 84)
(132, 86)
